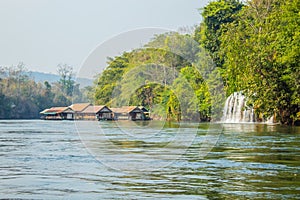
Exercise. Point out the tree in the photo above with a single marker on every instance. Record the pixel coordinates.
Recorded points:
(105, 84)
(66, 80)
(215, 17)
(261, 53)
(20, 96)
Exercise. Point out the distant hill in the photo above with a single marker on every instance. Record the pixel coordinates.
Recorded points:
(51, 78)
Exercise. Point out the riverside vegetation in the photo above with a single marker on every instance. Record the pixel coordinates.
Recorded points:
(252, 46)
(23, 98)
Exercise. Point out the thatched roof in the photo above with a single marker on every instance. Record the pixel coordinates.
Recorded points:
(124, 109)
(94, 109)
(56, 110)
(78, 107)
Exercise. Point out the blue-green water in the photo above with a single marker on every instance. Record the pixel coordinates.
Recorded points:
(100, 160)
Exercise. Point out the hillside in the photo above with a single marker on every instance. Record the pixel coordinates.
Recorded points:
(51, 78)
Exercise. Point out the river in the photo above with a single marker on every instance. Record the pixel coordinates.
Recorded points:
(148, 160)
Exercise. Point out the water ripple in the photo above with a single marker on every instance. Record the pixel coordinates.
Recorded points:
(47, 160)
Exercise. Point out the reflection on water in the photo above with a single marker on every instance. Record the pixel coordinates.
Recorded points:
(46, 159)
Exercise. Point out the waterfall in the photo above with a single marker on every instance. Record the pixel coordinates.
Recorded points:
(270, 120)
(236, 110)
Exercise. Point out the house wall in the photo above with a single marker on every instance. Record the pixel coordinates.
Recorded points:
(105, 115)
(89, 116)
(121, 116)
(53, 117)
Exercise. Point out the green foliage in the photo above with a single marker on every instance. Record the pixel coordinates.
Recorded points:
(160, 77)
(106, 83)
(23, 98)
(198, 85)
(66, 82)
(261, 53)
(216, 15)
(19, 95)
(251, 47)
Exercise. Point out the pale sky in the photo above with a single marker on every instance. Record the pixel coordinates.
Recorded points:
(44, 33)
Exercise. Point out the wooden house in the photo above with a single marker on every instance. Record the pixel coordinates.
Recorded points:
(57, 113)
(146, 112)
(97, 113)
(128, 113)
(78, 108)
(87, 111)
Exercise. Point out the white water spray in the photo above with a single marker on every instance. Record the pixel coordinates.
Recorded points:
(236, 110)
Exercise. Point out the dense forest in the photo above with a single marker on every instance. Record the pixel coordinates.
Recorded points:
(23, 98)
(251, 46)
(248, 46)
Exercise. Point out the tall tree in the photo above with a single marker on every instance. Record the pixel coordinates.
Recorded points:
(261, 53)
(215, 16)
(66, 80)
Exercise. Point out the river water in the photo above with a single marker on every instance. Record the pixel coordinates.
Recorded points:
(145, 160)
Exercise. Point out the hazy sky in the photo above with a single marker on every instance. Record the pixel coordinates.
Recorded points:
(44, 33)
